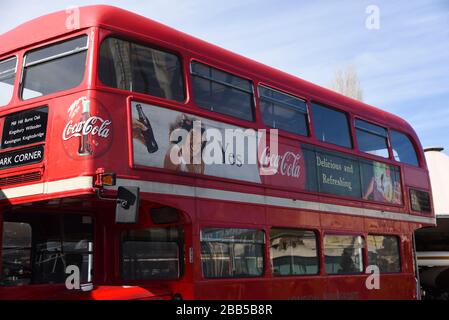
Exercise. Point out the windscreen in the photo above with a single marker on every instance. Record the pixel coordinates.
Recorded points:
(38, 248)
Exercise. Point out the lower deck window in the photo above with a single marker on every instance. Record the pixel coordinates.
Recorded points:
(343, 254)
(151, 254)
(293, 252)
(383, 251)
(227, 253)
(37, 248)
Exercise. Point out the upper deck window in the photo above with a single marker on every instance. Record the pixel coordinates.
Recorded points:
(8, 70)
(222, 92)
(331, 126)
(54, 68)
(283, 111)
(403, 149)
(133, 67)
(372, 138)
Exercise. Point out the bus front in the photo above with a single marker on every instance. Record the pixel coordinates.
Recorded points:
(59, 236)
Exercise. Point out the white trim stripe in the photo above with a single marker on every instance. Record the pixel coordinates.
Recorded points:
(47, 187)
(216, 194)
(207, 193)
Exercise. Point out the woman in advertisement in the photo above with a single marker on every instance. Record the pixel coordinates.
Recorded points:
(185, 142)
(382, 186)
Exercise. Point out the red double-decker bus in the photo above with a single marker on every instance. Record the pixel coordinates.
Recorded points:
(97, 103)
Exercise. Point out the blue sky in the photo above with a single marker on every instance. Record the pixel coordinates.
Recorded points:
(403, 66)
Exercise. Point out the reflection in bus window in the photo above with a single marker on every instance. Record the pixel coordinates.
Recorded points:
(8, 69)
(227, 253)
(65, 62)
(222, 92)
(331, 126)
(133, 67)
(343, 254)
(403, 149)
(37, 248)
(383, 251)
(293, 252)
(371, 138)
(151, 254)
(283, 111)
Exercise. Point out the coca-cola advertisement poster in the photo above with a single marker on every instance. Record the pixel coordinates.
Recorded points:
(88, 129)
(164, 138)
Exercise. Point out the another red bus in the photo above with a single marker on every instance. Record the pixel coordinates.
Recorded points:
(90, 100)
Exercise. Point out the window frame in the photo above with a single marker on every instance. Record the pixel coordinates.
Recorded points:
(252, 92)
(399, 247)
(305, 112)
(317, 246)
(348, 117)
(131, 38)
(61, 40)
(427, 192)
(182, 255)
(8, 58)
(263, 256)
(366, 130)
(414, 146)
(59, 216)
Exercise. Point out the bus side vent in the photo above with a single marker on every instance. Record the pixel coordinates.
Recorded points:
(22, 178)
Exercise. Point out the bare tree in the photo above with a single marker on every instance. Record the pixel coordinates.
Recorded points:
(346, 82)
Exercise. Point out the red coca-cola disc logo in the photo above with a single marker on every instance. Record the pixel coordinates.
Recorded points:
(87, 130)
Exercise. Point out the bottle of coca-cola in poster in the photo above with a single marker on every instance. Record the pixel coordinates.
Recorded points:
(148, 134)
(84, 146)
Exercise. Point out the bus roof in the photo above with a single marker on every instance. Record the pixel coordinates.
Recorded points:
(54, 25)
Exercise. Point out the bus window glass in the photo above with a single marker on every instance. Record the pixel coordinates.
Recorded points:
(37, 248)
(55, 68)
(343, 254)
(8, 69)
(151, 254)
(293, 252)
(227, 253)
(129, 66)
(222, 92)
(371, 138)
(403, 150)
(283, 111)
(383, 251)
(331, 126)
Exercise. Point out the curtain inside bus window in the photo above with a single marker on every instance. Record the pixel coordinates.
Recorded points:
(55, 68)
(7, 78)
(130, 66)
(37, 248)
(151, 254)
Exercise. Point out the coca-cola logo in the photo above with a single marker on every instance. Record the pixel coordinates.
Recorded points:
(93, 125)
(288, 164)
(88, 129)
